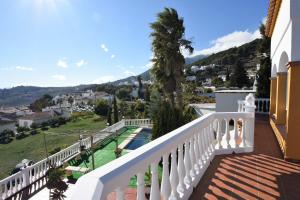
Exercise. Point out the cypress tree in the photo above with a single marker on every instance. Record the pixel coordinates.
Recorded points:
(109, 120)
(239, 77)
(116, 115)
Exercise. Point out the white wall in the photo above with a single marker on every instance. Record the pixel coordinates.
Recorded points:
(227, 100)
(286, 35)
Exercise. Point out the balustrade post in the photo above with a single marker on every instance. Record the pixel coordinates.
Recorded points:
(236, 133)
(26, 177)
(174, 176)
(187, 178)
(227, 133)
(181, 171)
(249, 122)
(154, 192)
(219, 135)
(140, 186)
(192, 157)
(165, 183)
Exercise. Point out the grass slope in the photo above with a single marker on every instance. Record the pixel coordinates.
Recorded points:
(32, 147)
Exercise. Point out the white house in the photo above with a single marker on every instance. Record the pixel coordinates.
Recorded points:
(37, 118)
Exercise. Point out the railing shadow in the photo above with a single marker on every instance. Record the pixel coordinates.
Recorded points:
(251, 176)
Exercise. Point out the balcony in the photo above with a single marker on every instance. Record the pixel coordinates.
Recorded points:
(227, 155)
(211, 157)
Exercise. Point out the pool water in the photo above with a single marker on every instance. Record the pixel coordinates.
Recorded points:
(140, 139)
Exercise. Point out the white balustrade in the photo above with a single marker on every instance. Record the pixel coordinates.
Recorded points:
(28, 176)
(191, 147)
(262, 105)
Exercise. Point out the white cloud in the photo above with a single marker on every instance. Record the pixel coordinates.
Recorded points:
(59, 77)
(22, 68)
(62, 63)
(228, 41)
(81, 63)
(129, 73)
(105, 79)
(104, 47)
(112, 56)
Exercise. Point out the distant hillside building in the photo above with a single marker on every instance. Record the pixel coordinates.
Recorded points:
(37, 118)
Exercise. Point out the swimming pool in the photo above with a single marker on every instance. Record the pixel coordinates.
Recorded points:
(143, 137)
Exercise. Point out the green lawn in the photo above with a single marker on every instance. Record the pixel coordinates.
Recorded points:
(106, 154)
(32, 147)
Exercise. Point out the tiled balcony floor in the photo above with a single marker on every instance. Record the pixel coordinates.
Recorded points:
(262, 174)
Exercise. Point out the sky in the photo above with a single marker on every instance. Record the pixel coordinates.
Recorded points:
(73, 42)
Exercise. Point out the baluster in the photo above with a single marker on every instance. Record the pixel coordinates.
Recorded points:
(174, 175)
(1, 192)
(165, 183)
(212, 136)
(10, 187)
(219, 135)
(120, 193)
(154, 193)
(201, 160)
(196, 150)
(192, 158)
(206, 144)
(140, 186)
(227, 133)
(243, 133)
(187, 178)
(5, 190)
(203, 146)
(236, 133)
(181, 172)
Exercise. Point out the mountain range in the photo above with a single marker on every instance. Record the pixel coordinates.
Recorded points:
(24, 95)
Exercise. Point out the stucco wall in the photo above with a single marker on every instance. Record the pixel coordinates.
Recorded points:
(285, 38)
(227, 101)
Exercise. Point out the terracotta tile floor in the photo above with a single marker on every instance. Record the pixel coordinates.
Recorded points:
(262, 174)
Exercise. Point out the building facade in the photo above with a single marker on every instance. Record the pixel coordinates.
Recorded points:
(283, 26)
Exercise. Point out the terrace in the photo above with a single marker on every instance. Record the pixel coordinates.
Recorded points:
(219, 155)
(214, 156)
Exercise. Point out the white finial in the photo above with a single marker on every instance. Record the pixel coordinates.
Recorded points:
(250, 100)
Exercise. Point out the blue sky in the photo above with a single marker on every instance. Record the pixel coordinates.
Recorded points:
(72, 42)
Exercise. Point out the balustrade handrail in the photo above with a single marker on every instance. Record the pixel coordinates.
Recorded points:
(200, 144)
(16, 182)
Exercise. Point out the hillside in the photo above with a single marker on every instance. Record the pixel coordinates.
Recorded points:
(247, 53)
(22, 95)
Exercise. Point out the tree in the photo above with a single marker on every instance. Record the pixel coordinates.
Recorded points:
(217, 82)
(263, 74)
(109, 120)
(39, 104)
(124, 93)
(6, 136)
(140, 90)
(239, 77)
(116, 114)
(147, 93)
(168, 41)
(101, 107)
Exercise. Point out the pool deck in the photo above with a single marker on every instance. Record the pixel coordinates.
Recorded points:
(129, 138)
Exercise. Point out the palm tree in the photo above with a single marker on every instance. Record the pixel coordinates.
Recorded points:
(168, 42)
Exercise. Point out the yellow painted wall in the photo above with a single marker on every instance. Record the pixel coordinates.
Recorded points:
(293, 113)
(281, 98)
(273, 95)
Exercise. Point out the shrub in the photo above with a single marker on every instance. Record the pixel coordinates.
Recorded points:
(6, 136)
(101, 108)
(22, 129)
(21, 136)
(54, 151)
(44, 128)
(34, 132)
